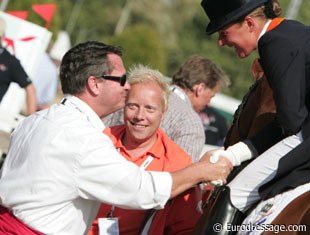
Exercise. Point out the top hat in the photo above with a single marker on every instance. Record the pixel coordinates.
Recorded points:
(223, 12)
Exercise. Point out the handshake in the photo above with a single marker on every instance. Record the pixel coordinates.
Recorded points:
(236, 154)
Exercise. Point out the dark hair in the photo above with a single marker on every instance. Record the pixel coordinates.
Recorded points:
(199, 70)
(82, 61)
(272, 9)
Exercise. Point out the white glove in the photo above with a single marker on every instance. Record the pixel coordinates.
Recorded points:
(239, 153)
(218, 182)
(236, 154)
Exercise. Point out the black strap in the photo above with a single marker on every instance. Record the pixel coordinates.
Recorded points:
(63, 101)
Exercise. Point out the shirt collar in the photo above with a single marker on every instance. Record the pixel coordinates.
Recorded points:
(264, 29)
(81, 106)
(180, 93)
(157, 150)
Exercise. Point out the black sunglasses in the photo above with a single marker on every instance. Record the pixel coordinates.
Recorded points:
(121, 80)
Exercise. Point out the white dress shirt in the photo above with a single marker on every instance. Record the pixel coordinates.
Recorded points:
(60, 166)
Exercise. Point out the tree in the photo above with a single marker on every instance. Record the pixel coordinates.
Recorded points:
(141, 45)
(164, 33)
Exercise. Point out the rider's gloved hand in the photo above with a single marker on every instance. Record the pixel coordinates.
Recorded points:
(236, 154)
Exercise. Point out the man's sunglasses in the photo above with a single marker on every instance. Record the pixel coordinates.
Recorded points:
(121, 80)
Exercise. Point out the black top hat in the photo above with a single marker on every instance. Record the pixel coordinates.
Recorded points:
(223, 12)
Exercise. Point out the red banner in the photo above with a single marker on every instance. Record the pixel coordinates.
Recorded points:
(46, 11)
(20, 14)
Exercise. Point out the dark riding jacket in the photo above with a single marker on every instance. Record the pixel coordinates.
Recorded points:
(285, 58)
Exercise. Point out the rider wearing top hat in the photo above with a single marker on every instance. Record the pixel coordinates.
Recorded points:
(284, 50)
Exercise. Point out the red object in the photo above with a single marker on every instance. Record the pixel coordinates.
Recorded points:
(20, 14)
(9, 224)
(9, 43)
(46, 11)
(27, 38)
(180, 215)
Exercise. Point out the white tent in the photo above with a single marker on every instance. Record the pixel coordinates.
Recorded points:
(29, 44)
(225, 103)
(61, 46)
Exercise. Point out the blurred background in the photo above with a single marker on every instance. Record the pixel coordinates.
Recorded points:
(161, 33)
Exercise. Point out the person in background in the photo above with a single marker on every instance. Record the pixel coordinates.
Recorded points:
(45, 82)
(12, 71)
(215, 126)
(60, 166)
(284, 51)
(193, 86)
(195, 83)
(141, 141)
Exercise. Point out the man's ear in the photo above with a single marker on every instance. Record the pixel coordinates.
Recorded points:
(164, 114)
(198, 89)
(92, 85)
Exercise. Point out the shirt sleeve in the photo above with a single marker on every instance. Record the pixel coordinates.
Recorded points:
(103, 174)
(18, 73)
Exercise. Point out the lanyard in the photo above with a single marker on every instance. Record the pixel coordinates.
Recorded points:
(147, 162)
(143, 166)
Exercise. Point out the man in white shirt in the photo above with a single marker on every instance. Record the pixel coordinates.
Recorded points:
(60, 166)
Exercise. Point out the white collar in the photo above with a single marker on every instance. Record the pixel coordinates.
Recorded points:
(81, 106)
(179, 92)
(264, 29)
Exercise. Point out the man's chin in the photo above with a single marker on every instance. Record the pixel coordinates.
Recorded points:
(242, 55)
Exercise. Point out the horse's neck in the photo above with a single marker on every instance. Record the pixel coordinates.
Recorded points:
(256, 110)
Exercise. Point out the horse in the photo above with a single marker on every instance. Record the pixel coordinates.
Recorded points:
(288, 212)
(256, 110)
(285, 213)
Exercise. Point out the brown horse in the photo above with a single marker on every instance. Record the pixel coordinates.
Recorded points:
(289, 211)
(295, 213)
(255, 112)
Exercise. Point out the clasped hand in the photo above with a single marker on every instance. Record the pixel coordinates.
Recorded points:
(218, 169)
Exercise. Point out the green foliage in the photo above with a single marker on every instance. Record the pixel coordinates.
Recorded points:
(161, 33)
(90, 20)
(142, 45)
(192, 39)
(303, 14)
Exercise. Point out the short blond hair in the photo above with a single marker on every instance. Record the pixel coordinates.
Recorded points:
(144, 74)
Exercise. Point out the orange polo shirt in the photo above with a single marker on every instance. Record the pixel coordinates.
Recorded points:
(166, 156)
